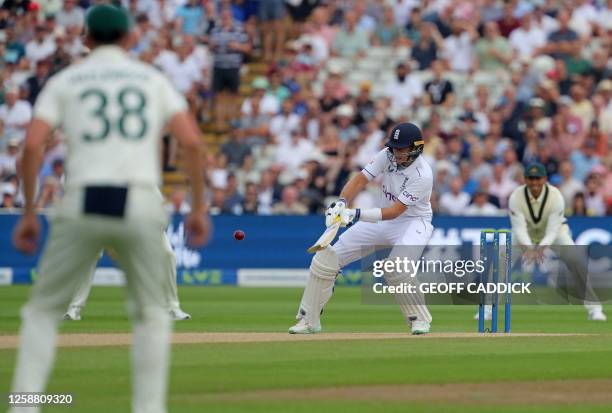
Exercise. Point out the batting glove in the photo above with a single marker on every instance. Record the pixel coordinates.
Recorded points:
(334, 211)
(348, 217)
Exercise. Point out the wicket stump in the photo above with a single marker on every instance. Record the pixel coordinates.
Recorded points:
(484, 279)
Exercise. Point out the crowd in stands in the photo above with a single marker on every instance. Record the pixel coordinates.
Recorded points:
(493, 84)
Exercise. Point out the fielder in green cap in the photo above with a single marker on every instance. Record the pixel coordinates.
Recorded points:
(112, 110)
(107, 24)
(536, 212)
(535, 170)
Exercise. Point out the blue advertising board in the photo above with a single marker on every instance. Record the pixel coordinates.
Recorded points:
(272, 242)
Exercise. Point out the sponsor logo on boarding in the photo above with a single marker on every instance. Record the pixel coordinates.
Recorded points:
(185, 257)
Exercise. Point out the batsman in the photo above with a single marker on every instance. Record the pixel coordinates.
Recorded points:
(537, 217)
(403, 218)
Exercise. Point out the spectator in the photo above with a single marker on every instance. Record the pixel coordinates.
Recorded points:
(247, 173)
(512, 168)
(276, 88)
(413, 28)
(493, 51)
(560, 141)
(268, 102)
(508, 22)
(387, 33)
(402, 10)
(602, 105)
(250, 202)
(14, 48)
(319, 26)
(491, 10)
(593, 197)
(283, 124)
(255, 125)
(563, 42)
(584, 18)
(335, 84)
(184, 71)
(15, 114)
(293, 153)
(470, 184)
(443, 173)
(71, 15)
(579, 206)
(364, 104)
(501, 185)
(344, 119)
(425, 49)
(269, 192)
(350, 41)
(232, 201)
(456, 200)
(145, 32)
(481, 205)
(550, 163)
(191, 17)
(405, 90)
(8, 200)
(329, 143)
(439, 89)
(178, 204)
(289, 204)
(230, 44)
(41, 46)
(35, 83)
(218, 202)
(581, 106)
(8, 159)
(271, 14)
(478, 166)
(235, 149)
(299, 11)
(584, 160)
(459, 47)
(569, 186)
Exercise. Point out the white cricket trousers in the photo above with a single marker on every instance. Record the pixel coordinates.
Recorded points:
(360, 240)
(75, 241)
(84, 287)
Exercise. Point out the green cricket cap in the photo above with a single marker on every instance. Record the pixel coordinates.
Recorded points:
(105, 22)
(535, 170)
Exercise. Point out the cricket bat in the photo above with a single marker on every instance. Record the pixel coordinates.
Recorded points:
(326, 238)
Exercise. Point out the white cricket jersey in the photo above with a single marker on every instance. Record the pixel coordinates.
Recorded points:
(411, 186)
(536, 221)
(112, 110)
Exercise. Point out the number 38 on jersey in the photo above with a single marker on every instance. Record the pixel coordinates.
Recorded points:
(129, 123)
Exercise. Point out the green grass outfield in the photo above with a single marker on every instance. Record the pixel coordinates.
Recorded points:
(270, 376)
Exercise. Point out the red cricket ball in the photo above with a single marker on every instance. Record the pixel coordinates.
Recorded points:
(239, 235)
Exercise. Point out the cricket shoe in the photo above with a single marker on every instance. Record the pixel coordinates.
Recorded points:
(488, 313)
(597, 315)
(302, 327)
(73, 314)
(420, 327)
(179, 315)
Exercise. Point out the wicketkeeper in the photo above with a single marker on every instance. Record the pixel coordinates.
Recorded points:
(538, 222)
